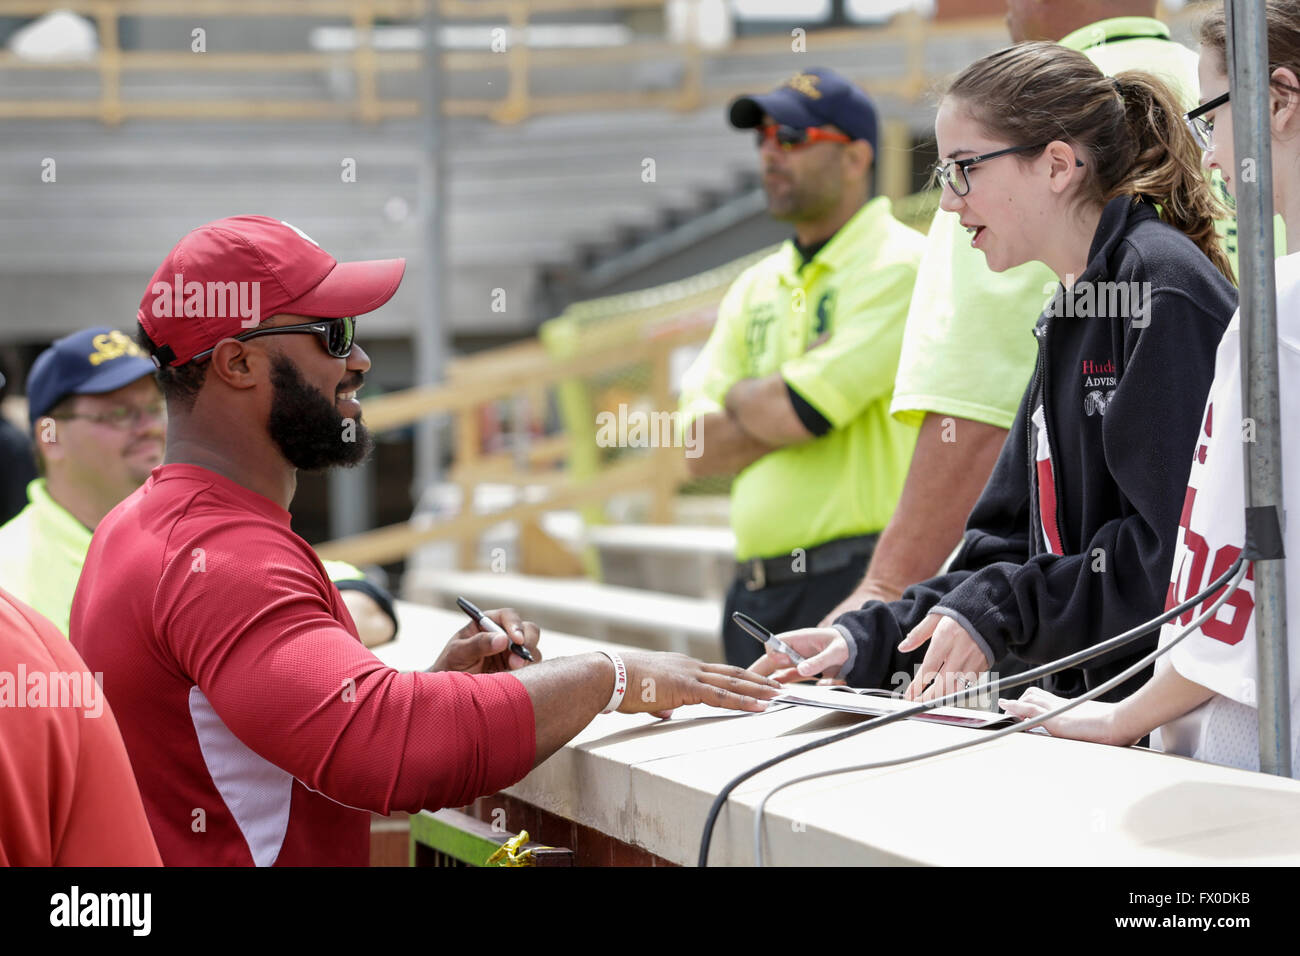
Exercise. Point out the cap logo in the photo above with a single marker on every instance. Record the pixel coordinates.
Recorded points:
(113, 345)
(301, 233)
(805, 83)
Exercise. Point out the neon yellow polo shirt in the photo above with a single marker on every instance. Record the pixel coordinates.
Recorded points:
(856, 288)
(43, 547)
(969, 349)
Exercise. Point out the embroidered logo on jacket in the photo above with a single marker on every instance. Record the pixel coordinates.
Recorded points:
(1099, 380)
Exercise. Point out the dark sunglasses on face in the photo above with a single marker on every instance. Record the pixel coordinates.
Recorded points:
(792, 137)
(336, 335)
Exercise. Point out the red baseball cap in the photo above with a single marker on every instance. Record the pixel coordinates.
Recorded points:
(227, 276)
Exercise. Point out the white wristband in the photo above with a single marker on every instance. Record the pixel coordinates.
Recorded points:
(620, 682)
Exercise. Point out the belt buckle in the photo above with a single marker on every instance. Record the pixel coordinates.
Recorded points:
(758, 579)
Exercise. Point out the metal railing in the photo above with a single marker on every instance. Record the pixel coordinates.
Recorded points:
(366, 63)
(639, 331)
(908, 32)
(540, 465)
(111, 62)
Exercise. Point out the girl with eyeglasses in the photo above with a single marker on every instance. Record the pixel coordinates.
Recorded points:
(1203, 697)
(1046, 158)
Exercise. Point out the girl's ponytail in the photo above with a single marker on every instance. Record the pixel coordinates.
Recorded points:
(1164, 164)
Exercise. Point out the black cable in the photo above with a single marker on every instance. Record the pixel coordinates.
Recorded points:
(1079, 657)
(1028, 723)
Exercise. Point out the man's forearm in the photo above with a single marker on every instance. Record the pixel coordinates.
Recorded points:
(762, 408)
(721, 446)
(951, 465)
(566, 693)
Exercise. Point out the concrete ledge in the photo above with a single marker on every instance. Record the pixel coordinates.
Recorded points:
(1025, 800)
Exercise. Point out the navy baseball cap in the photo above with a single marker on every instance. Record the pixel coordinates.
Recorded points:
(816, 97)
(90, 362)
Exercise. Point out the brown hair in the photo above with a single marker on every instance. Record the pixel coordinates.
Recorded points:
(1282, 18)
(1129, 131)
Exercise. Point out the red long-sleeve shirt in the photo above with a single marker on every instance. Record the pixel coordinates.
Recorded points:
(67, 797)
(260, 728)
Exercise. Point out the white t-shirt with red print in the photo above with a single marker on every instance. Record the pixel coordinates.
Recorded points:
(1221, 653)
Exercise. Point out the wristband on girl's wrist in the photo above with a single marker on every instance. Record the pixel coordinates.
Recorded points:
(620, 682)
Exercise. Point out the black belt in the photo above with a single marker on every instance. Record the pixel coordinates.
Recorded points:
(758, 573)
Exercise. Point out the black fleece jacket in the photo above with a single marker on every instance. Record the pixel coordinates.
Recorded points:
(1122, 388)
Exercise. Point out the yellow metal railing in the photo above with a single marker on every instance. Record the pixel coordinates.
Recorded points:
(111, 62)
(494, 378)
(908, 31)
(632, 336)
(518, 59)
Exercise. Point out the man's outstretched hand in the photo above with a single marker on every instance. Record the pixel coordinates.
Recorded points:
(658, 683)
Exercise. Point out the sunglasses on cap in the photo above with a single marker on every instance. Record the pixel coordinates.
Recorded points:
(336, 335)
(792, 137)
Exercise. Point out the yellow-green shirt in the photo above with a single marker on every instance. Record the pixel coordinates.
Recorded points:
(43, 547)
(856, 288)
(969, 348)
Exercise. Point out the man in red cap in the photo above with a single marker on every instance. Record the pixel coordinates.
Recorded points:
(260, 729)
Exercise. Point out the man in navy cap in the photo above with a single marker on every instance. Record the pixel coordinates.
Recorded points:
(98, 420)
(791, 393)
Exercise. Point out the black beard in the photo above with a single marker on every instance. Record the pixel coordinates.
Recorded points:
(307, 427)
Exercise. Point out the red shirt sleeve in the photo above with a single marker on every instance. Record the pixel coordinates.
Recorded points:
(268, 641)
(68, 796)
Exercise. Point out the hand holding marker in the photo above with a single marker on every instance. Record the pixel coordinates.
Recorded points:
(765, 637)
(491, 626)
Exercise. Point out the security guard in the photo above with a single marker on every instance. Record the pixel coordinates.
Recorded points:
(98, 421)
(791, 393)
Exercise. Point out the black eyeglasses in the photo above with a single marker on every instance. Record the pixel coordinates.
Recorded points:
(952, 172)
(335, 334)
(1202, 128)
